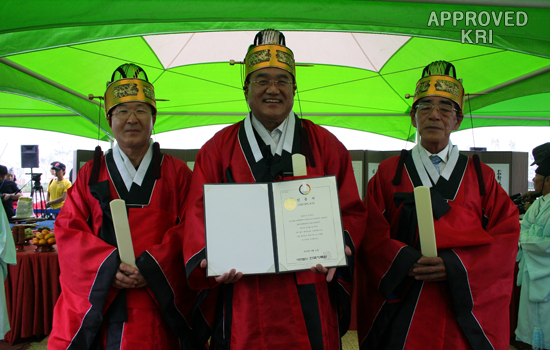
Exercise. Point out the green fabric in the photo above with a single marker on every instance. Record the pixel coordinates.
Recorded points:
(77, 45)
(58, 23)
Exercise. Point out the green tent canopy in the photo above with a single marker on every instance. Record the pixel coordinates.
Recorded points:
(357, 59)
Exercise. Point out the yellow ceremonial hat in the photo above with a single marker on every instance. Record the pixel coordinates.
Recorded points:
(129, 83)
(439, 79)
(269, 50)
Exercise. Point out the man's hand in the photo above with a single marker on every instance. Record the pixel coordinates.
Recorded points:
(128, 277)
(429, 269)
(329, 272)
(228, 277)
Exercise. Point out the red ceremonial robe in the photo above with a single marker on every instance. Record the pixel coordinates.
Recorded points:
(476, 238)
(90, 314)
(274, 311)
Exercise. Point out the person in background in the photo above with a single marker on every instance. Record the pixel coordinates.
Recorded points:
(58, 187)
(534, 263)
(7, 256)
(52, 170)
(460, 298)
(9, 192)
(300, 310)
(540, 153)
(11, 175)
(106, 303)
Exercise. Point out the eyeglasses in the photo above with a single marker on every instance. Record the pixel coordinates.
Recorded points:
(426, 108)
(124, 114)
(281, 84)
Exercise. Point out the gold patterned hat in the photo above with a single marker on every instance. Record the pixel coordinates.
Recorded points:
(269, 50)
(129, 83)
(437, 81)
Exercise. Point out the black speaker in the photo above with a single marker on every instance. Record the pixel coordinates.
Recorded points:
(29, 156)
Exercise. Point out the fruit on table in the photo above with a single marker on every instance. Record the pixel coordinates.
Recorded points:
(28, 233)
(44, 237)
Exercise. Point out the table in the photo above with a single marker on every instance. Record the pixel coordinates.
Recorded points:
(32, 289)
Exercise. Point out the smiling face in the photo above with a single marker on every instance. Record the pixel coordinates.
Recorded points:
(435, 128)
(270, 104)
(133, 132)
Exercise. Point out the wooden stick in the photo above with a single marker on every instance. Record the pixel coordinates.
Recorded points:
(122, 232)
(424, 214)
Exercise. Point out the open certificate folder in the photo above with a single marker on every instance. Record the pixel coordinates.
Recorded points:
(273, 227)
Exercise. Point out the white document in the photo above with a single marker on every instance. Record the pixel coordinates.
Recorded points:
(268, 228)
(238, 228)
(308, 224)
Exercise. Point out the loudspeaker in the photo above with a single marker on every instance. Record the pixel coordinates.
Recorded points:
(29, 156)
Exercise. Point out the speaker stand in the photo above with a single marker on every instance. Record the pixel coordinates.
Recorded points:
(37, 195)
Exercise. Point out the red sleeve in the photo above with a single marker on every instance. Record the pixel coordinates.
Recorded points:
(207, 169)
(382, 255)
(161, 264)
(480, 276)
(76, 231)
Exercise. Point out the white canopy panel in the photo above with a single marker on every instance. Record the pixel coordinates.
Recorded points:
(365, 51)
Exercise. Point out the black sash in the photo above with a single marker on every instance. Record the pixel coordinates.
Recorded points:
(443, 191)
(270, 168)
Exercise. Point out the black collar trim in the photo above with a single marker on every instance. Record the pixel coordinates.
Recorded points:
(261, 170)
(138, 196)
(447, 188)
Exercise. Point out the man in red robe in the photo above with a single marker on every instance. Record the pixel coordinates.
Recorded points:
(302, 310)
(106, 304)
(459, 299)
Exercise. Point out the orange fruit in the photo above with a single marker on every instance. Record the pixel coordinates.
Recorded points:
(45, 232)
(35, 240)
(39, 236)
(51, 240)
(49, 235)
(42, 241)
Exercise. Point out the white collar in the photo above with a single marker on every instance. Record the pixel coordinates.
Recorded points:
(285, 142)
(444, 154)
(425, 167)
(127, 170)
